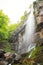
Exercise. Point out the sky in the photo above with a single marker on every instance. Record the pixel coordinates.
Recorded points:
(14, 8)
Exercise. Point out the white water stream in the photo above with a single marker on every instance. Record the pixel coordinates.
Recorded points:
(27, 44)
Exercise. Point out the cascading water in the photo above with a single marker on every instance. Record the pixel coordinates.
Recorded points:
(27, 44)
(29, 32)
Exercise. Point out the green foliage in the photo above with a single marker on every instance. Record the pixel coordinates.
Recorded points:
(24, 17)
(7, 47)
(3, 25)
(12, 28)
(37, 51)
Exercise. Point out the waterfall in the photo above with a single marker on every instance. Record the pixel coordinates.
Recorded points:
(29, 32)
(27, 44)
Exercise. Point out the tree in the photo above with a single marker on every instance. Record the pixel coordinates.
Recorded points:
(4, 20)
(24, 17)
(12, 28)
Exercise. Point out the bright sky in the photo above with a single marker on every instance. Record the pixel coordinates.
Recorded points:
(14, 8)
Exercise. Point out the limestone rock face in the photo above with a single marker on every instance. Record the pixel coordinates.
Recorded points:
(38, 11)
(38, 14)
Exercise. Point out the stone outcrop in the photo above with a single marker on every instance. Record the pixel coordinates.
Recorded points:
(17, 38)
(38, 13)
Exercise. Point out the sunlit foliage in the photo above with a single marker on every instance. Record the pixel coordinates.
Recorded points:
(4, 20)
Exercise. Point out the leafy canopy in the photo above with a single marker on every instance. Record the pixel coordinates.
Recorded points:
(3, 25)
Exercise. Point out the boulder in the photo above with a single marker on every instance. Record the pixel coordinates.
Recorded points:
(8, 57)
